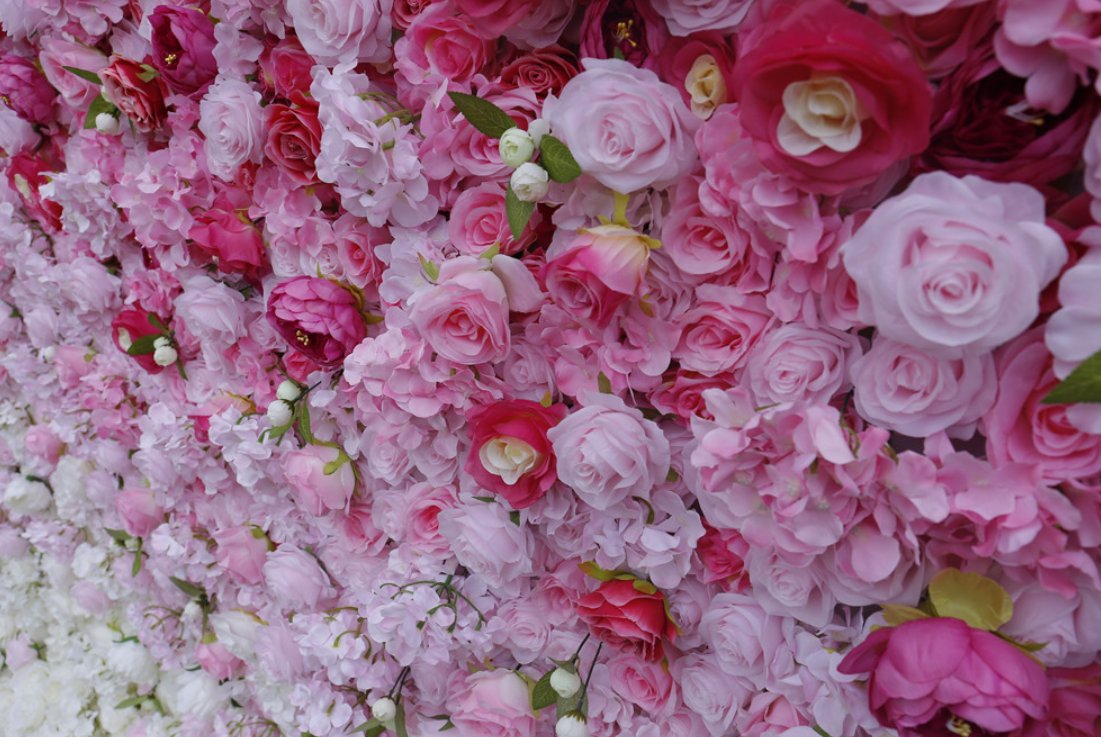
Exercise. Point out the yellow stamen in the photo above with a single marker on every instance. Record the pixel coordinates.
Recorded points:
(958, 726)
(302, 337)
(171, 59)
(623, 32)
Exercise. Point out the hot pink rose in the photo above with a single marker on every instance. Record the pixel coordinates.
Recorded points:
(594, 273)
(493, 703)
(439, 42)
(315, 490)
(510, 454)
(723, 554)
(226, 235)
(285, 68)
(26, 90)
(820, 55)
(933, 677)
(139, 511)
(183, 48)
(318, 318)
(646, 134)
(465, 316)
(630, 616)
(140, 100)
(294, 138)
(241, 552)
(26, 174)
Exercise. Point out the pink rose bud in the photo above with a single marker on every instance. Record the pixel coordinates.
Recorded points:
(139, 511)
(318, 318)
(315, 490)
(41, 443)
(216, 660)
(242, 552)
(294, 577)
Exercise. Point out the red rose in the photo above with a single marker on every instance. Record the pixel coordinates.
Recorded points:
(227, 236)
(294, 138)
(25, 175)
(141, 101)
(629, 615)
(542, 71)
(943, 40)
(183, 48)
(821, 55)
(130, 325)
(510, 454)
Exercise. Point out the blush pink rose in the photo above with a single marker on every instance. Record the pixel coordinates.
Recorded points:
(295, 579)
(493, 703)
(721, 329)
(441, 43)
(315, 490)
(465, 316)
(139, 511)
(798, 363)
(183, 48)
(40, 442)
(510, 453)
(646, 133)
(241, 552)
(318, 318)
(630, 616)
(814, 51)
(218, 662)
(929, 674)
(954, 263)
(58, 53)
(478, 222)
(343, 31)
(593, 274)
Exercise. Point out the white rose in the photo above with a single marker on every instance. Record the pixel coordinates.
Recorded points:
(820, 112)
(572, 724)
(107, 123)
(384, 709)
(516, 147)
(509, 458)
(288, 391)
(132, 661)
(280, 413)
(706, 86)
(24, 496)
(530, 182)
(165, 355)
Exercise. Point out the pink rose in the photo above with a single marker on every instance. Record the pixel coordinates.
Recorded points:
(318, 318)
(721, 329)
(218, 662)
(1075, 706)
(510, 453)
(285, 68)
(607, 452)
(487, 542)
(493, 703)
(943, 40)
(141, 101)
(647, 685)
(241, 552)
(40, 442)
(630, 616)
(26, 90)
(542, 71)
(342, 31)
(294, 138)
(956, 263)
(933, 676)
(646, 132)
(465, 316)
(233, 126)
(819, 55)
(685, 17)
(441, 43)
(26, 174)
(478, 222)
(183, 48)
(593, 274)
(295, 579)
(493, 18)
(798, 363)
(917, 393)
(58, 53)
(226, 236)
(139, 511)
(315, 489)
(623, 29)
(722, 553)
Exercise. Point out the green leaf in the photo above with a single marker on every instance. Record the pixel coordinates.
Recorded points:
(515, 517)
(557, 160)
(84, 74)
(304, 421)
(482, 114)
(399, 721)
(371, 728)
(136, 568)
(430, 268)
(120, 536)
(156, 322)
(603, 383)
(143, 345)
(542, 695)
(147, 73)
(518, 212)
(975, 599)
(600, 574)
(821, 731)
(132, 701)
(99, 105)
(1083, 384)
(187, 587)
(486, 499)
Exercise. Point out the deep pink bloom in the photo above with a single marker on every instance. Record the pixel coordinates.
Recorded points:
(26, 90)
(318, 318)
(141, 100)
(1075, 701)
(628, 619)
(127, 327)
(225, 235)
(183, 48)
(929, 674)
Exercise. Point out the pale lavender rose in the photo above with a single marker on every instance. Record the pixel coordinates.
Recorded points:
(917, 393)
(465, 316)
(295, 579)
(212, 311)
(494, 703)
(241, 552)
(343, 31)
(607, 452)
(233, 125)
(685, 17)
(747, 641)
(528, 628)
(955, 263)
(710, 692)
(798, 363)
(625, 127)
(315, 490)
(487, 542)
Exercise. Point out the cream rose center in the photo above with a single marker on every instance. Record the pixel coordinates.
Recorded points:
(820, 112)
(509, 458)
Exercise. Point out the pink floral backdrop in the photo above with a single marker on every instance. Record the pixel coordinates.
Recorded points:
(679, 368)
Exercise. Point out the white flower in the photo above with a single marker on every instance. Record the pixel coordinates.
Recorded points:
(820, 112)
(537, 129)
(509, 458)
(564, 682)
(516, 147)
(530, 182)
(107, 123)
(24, 496)
(288, 391)
(165, 355)
(706, 86)
(572, 724)
(384, 709)
(280, 413)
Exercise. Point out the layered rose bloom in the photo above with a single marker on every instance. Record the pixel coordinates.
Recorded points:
(294, 138)
(183, 48)
(829, 97)
(26, 90)
(510, 453)
(230, 239)
(938, 676)
(141, 100)
(315, 490)
(465, 316)
(629, 617)
(318, 318)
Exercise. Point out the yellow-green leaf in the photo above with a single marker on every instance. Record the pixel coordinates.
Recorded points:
(896, 614)
(975, 599)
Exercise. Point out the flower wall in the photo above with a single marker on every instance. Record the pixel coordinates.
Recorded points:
(525, 367)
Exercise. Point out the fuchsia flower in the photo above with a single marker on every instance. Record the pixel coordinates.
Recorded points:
(318, 318)
(183, 48)
(140, 100)
(510, 454)
(935, 677)
(26, 90)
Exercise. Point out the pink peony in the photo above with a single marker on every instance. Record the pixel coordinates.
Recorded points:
(26, 90)
(183, 48)
(932, 677)
(318, 318)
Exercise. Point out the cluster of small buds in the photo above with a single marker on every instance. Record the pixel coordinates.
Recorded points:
(281, 411)
(164, 353)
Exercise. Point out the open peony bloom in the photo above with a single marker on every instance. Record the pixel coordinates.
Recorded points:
(940, 676)
(318, 318)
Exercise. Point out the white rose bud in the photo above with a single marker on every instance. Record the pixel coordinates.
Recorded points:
(165, 355)
(573, 724)
(384, 709)
(530, 182)
(280, 413)
(288, 391)
(537, 129)
(516, 147)
(24, 496)
(565, 683)
(107, 123)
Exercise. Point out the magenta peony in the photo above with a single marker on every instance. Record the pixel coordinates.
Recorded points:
(318, 318)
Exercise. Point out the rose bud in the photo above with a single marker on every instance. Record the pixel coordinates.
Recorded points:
(530, 182)
(565, 683)
(629, 615)
(516, 147)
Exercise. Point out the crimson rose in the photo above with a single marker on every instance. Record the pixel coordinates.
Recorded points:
(629, 615)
